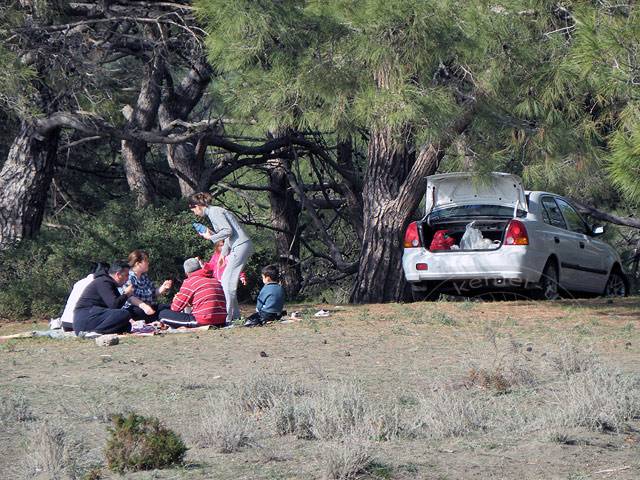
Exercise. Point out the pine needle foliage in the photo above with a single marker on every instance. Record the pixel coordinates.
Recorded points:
(606, 48)
(15, 76)
(340, 66)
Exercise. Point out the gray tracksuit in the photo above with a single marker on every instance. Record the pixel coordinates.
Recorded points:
(237, 246)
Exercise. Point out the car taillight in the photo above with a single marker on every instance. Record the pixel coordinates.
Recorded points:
(516, 234)
(411, 237)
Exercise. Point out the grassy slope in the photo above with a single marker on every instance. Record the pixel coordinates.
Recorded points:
(426, 390)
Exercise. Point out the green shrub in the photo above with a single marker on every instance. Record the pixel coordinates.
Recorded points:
(139, 443)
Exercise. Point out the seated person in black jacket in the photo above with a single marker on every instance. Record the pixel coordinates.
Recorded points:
(99, 308)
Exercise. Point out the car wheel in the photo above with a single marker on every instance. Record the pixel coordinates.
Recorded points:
(616, 286)
(549, 283)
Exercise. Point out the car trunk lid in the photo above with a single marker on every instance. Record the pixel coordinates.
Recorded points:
(464, 188)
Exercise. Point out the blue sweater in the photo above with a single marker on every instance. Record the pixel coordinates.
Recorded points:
(270, 298)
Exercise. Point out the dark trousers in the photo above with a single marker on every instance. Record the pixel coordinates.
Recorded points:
(262, 318)
(101, 320)
(181, 319)
(138, 314)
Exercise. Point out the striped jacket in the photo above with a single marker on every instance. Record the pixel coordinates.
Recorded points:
(204, 294)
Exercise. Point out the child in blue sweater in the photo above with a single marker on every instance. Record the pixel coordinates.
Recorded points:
(270, 304)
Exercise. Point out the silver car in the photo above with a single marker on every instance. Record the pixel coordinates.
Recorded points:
(482, 235)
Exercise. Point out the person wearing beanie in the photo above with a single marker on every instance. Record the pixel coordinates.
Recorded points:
(203, 293)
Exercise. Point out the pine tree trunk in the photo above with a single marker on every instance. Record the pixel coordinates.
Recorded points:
(177, 105)
(24, 183)
(284, 216)
(351, 190)
(142, 117)
(379, 277)
(394, 185)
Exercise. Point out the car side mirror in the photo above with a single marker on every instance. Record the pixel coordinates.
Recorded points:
(597, 229)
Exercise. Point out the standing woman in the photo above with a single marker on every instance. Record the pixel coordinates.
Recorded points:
(236, 250)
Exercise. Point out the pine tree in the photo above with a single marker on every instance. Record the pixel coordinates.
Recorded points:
(409, 75)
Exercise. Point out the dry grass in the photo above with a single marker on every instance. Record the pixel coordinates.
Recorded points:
(444, 412)
(15, 410)
(599, 399)
(49, 452)
(226, 425)
(346, 457)
(569, 359)
(423, 390)
(333, 411)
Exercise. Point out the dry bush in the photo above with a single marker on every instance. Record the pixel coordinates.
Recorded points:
(501, 371)
(49, 452)
(262, 391)
(346, 457)
(443, 412)
(598, 399)
(225, 424)
(333, 411)
(489, 380)
(502, 378)
(569, 360)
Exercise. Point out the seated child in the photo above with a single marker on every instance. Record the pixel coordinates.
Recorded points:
(142, 305)
(270, 304)
(76, 291)
(217, 266)
(203, 293)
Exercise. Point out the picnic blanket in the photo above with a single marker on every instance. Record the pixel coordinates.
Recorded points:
(138, 331)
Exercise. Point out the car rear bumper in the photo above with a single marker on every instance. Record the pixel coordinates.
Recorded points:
(516, 264)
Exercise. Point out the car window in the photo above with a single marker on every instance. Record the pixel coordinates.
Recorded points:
(573, 218)
(475, 211)
(551, 214)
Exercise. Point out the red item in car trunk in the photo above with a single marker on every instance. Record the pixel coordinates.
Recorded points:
(442, 241)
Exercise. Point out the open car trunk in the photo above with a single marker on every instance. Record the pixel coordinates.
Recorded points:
(466, 212)
(492, 232)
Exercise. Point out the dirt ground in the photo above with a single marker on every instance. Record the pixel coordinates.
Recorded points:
(395, 352)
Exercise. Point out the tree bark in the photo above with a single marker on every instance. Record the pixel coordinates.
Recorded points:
(24, 182)
(284, 216)
(351, 190)
(177, 105)
(385, 217)
(143, 117)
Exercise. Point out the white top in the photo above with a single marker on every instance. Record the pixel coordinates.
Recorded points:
(76, 291)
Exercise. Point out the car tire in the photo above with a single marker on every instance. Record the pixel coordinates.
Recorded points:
(549, 283)
(616, 286)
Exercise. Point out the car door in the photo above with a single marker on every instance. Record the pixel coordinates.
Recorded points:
(590, 255)
(560, 241)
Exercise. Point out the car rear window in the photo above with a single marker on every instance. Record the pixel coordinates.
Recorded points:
(475, 211)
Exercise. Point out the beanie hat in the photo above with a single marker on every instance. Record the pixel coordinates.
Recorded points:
(191, 265)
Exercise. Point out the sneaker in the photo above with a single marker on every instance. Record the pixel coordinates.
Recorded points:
(252, 322)
(321, 313)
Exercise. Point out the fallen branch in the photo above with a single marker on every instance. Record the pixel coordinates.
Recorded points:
(606, 216)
